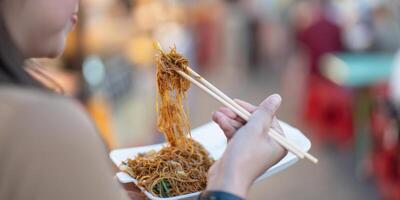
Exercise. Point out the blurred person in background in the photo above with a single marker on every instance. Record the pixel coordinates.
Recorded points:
(327, 106)
(49, 148)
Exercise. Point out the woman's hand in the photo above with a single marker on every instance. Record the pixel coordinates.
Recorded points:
(250, 150)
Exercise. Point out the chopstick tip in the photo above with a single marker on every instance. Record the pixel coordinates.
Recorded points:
(157, 46)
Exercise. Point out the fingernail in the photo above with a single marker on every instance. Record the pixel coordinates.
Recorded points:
(275, 99)
(273, 102)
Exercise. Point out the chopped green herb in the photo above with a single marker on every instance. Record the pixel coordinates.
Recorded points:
(163, 188)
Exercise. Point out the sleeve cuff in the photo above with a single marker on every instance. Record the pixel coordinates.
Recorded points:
(218, 195)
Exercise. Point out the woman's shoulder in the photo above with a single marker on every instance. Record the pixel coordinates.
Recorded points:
(46, 138)
(32, 108)
(15, 97)
(16, 101)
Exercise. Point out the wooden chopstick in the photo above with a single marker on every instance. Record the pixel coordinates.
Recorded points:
(219, 92)
(281, 140)
(246, 113)
(207, 90)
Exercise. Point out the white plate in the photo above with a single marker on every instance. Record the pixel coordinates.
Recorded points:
(213, 139)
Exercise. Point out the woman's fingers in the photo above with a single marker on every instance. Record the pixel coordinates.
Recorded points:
(247, 106)
(250, 144)
(230, 122)
(262, 118)
(228, 112)
(228, 125)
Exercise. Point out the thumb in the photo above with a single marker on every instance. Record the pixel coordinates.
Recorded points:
(262, 118)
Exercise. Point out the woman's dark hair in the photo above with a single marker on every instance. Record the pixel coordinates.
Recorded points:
(12, 71)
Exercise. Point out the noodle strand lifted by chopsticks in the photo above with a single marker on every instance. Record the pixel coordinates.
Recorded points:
(172, 119)
(181, 167)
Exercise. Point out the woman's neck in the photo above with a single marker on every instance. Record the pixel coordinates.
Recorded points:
(9, 53)
(12, 61)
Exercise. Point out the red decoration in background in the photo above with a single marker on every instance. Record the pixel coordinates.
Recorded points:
(329, 111)
(385, 157)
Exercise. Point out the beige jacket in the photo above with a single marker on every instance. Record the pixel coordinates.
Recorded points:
(50, 150)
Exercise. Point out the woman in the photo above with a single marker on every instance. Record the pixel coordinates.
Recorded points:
(49, 148)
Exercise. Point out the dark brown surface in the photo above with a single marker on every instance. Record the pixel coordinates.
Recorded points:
(134, 192)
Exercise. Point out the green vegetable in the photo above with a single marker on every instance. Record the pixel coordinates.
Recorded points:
(163, 188)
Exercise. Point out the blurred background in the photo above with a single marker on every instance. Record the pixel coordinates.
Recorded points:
(334, 62)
